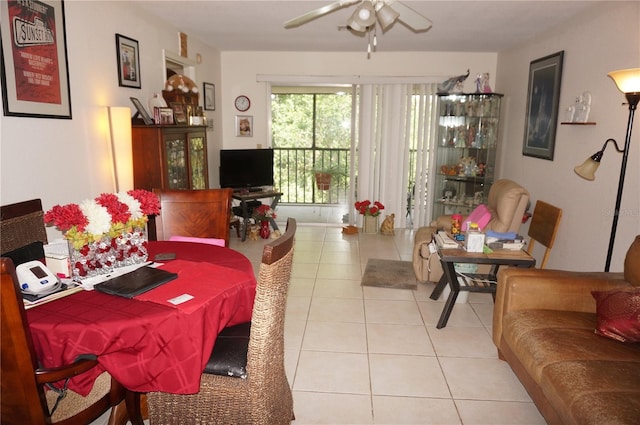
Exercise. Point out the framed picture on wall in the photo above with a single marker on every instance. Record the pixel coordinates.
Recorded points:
(543, 98)
(209, 96)
(128, 54)
(35, 74)
(244, 125)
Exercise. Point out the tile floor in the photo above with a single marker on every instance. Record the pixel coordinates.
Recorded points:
(364, 355)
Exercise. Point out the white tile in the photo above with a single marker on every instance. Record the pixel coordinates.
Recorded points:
(338, 288)
(411, 410)
(336, 310)
(399, 339)
(331, 408)
(333, 336)
(376, 293)
(397, 312)
(339, 271)
(456, 341)
(482, 379)
(475, 412)
(411, 376)
(332, 372)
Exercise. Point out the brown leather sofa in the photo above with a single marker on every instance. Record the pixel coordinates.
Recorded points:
(507, 202)
(544, 325)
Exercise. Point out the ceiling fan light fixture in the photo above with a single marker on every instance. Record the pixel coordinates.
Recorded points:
(363, 17)
(386, 16)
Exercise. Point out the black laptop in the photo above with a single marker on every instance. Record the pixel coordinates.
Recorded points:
(136, 282)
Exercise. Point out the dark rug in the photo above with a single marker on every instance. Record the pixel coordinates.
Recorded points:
(389, 274)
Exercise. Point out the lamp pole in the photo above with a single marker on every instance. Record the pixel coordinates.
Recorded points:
(633, 99)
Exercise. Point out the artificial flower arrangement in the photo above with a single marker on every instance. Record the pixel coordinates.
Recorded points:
(367, 208)
(264, 212)
(110, 214)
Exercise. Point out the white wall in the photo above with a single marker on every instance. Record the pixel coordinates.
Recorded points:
(63, 161)
(602, 40)
(240, 70)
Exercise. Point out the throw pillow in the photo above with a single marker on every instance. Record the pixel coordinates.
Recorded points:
(618, 314)
(208, 241)
(480, 215)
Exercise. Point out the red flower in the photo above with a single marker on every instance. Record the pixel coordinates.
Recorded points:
(65, 217)
(119, 211)
(365, 207)
(149, 202)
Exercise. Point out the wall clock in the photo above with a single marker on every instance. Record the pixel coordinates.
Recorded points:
(242, 103)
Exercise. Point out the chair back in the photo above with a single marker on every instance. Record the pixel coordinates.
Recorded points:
(507, 202)
(543, 228)
(192, 213)
(22, 401)
(21, 224)
(265, 356)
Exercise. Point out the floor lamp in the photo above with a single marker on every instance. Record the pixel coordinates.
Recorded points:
(628, 82)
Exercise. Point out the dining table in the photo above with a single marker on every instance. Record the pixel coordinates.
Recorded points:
(159, 340)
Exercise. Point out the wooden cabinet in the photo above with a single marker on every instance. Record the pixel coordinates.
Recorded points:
(466, 151)
(170, 157)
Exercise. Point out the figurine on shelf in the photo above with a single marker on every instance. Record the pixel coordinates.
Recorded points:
(482, 83)
(453, 84)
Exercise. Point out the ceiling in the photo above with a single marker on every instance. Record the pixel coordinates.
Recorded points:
(458, 26)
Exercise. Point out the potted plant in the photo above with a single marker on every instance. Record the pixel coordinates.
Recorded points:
(324, 175)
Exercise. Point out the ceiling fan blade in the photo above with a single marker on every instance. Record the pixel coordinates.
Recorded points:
(410, 17)
(309, 16)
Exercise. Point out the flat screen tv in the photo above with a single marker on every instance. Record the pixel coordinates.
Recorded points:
(246, 168)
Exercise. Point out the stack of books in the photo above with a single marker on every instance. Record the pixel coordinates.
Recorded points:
(508, 240)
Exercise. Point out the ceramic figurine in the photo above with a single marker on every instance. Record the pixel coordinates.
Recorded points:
(453, 84)
(386, 228)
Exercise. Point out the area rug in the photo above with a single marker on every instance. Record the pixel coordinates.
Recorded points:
(389, 274)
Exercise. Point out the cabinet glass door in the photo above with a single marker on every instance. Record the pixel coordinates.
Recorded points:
(175, 148)
(465, 155)
(198, 162)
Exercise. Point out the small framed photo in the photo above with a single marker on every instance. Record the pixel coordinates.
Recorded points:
(163, 116)
(128, 54)
(209, 96)
(543, 99)
(141, 111)
(244, 125)
(179, 113)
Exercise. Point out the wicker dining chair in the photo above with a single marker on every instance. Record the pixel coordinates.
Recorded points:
(263, 396)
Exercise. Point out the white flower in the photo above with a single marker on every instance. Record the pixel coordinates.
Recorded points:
(132, 203)
(97, 215)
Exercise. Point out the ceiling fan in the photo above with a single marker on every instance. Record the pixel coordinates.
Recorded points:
(387, 12)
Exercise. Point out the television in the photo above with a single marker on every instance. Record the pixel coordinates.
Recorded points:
(246, 168)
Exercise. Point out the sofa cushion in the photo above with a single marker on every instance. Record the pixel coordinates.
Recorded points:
(632, 263)
(618, 314)
(594, 392)
(543, 337)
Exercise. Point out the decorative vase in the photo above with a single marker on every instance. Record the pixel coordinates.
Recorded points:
(370, 224)
(103, 256)
(264, 229)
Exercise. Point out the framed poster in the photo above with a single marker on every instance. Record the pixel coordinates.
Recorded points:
(141, 111)
(209, 96)
(543, 98)
(128, 54)
(244, 125)
(35, 70)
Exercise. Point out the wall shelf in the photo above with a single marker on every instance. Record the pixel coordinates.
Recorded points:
(578, 123)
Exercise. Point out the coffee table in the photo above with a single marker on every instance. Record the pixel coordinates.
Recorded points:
(475, 282)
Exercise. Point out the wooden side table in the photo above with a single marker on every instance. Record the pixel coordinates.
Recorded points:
(476, 282)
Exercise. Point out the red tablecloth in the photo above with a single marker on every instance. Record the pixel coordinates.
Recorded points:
(147, 343)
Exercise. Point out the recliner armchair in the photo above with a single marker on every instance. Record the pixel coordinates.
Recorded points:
(507, 202)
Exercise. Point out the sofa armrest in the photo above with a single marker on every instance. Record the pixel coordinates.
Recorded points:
(531, 289)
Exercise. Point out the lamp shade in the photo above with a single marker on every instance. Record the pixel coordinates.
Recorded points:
(363, 17)
(386, 16)
(627, 80)
(587, 170)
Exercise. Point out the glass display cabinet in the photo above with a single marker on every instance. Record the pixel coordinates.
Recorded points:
(465, 154)
(169, 157)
